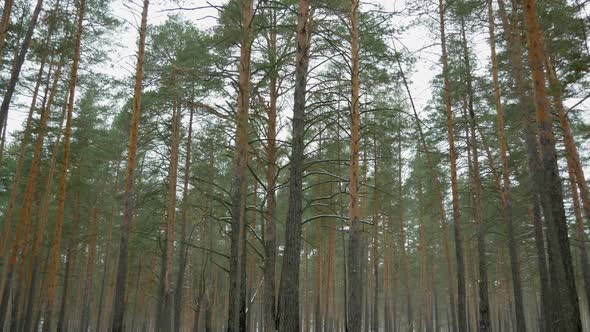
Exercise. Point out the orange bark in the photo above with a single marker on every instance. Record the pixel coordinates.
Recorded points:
(461, 316)
(120, 286)
(55, 245)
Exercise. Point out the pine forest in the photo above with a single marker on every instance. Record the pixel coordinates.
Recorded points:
(295, 165)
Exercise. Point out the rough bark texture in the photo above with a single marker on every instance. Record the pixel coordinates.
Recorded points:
(61, 198)
(355, 286)
(121, 276)
(165, 312)
(576, 175)
(237, 276)
(506, 195)
(270, 233)
(477, 192)
(39, 237)
(289, 286)
(6, 231)
(183, 220)
(461, 315)
(560, 260)
(570, 144)
(512, 34)
(19, 165)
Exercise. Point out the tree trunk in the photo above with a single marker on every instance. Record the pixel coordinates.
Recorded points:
(330, 291)
(165, 304)
(355, 287)
(560, 260)
(581, 237)
(318, 282)
(120, 286)
(568, 138)
(6, 277)
(107, 246)
(402, 230)
(88, 287)
(22, 149)
(183, 220)
(506, 194)
(237, 287)
(18, 64)
(462, 318)
(39, 237)
(25, 216)
(375, 251)
(5, 22)
(289, 286)
(477, 191)
(270, 237)
(61, 199)
(72, 255)
(512, 34)
(439, 198)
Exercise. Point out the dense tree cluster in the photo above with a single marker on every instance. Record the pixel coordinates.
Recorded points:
(274, 171)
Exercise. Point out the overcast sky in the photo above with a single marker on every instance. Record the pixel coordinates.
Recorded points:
(123, 60)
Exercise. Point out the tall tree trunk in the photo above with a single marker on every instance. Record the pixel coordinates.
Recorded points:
(237, 287)
(88, 287)
(423, 312)
(107, 255)
(289, 286)
(165, 304)
(461, 315)
(330, 291)
(251, 290)
(581, 236)
(18, 64)
(375, 244)
(355, 286)
(120, 286)
(270, 236)
(5, 22)
(61, 199)
(439, 198)
(25, 215)
(568, 138)
(306, 314)
(575, 172)
(21, 236)
(402, 229)
(22, 149)
(318, 282)
(72, 255)
(506, 195)
(6, 274)
(364, 256)
(183, 220)
(477, 192)
(512, 34)
(39, 237)
(560, 260)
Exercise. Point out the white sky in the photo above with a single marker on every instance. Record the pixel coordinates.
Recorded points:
(123, 59)
(415, 39)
